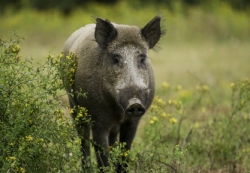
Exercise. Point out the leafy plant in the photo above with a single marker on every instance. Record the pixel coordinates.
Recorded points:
(36, 134)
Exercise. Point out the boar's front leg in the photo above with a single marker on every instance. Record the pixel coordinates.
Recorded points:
(127, 134)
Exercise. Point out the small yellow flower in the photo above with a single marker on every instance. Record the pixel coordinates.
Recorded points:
(78, 141)
(155, 118)
(39, 140)
(151, 122)
(80, 115)
(178, 105)
(61, 55)
(11, 158)
(71, 111)
(163, 114)
(159, 101)
(22, 170)
(173, 120)
(205, 88)
(165, 85)
(203, 110)
(196, 125)
(126, 153)
(29, 138)
(242, 102)
(72, 70)
(232, 85)
(245, 117)
(179, 87)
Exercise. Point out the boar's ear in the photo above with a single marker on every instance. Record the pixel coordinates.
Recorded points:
(105, 32)
(152, 31)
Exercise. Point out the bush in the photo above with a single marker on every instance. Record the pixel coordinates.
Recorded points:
(37, 136)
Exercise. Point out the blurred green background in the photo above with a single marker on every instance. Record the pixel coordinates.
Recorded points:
(206, 41)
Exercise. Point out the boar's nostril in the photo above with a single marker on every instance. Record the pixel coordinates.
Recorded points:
(131, 111)
(135, 110)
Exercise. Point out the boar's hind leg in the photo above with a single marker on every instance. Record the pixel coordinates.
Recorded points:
(84, 133)
(100, 139)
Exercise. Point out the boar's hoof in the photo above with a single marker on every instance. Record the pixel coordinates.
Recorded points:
(135, 110)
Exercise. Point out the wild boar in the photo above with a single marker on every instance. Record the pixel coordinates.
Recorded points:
(116, 73)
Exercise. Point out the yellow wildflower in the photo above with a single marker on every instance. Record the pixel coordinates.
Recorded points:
(165, 85)
(159, 101)
(184, 94)
(173, 120)
(196, 125)
(242, 102)
(29, 138)
(163, 114)
(61, 55)
(71, 111)
(178, 105)
(155, 118)
(126, 153)
(151, 122)
(22, 170)
(179, 87)
(203, 110)
(11, 158)
(205, 88)
(232, 85)
(80, 115)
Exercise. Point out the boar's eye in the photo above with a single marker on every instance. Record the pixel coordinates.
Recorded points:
(115, 59)
(142, 59)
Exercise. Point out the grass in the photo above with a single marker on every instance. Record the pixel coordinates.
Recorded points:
(203, 47)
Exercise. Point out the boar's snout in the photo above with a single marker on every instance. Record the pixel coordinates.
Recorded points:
(135, 108)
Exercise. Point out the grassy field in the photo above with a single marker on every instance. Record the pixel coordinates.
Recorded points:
(204, 52)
